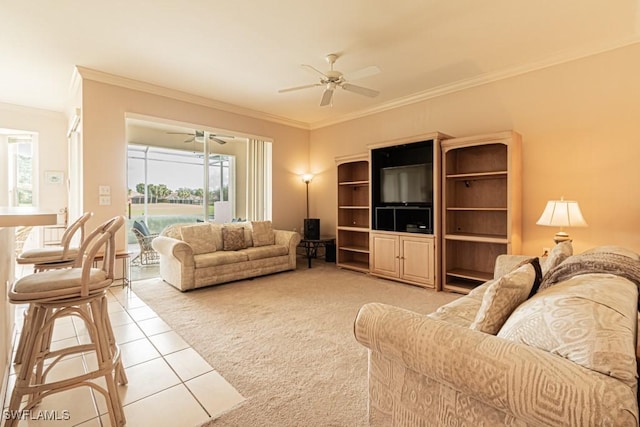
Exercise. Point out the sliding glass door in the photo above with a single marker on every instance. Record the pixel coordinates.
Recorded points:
(168, 186)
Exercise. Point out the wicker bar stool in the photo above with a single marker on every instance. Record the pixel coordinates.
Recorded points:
(49, 258)
(79, 291)
(59, 256)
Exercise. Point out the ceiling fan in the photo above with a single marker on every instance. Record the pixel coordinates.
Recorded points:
(198, 136)
(333, 79)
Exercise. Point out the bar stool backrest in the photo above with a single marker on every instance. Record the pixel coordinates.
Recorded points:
(68, 234)
(101, 241)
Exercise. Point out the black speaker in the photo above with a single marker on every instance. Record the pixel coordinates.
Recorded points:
(330, 252)
(312, 228)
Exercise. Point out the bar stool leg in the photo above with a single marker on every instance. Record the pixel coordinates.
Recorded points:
(25, 373)
(26, 328)
(108, 359)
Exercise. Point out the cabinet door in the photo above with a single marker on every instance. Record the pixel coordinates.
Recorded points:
(385, 255)
(417, 260)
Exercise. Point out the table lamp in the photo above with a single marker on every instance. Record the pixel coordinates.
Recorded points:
(562, 213)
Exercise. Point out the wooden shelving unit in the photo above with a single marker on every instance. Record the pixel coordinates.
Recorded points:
(481, 206)
(352, 234)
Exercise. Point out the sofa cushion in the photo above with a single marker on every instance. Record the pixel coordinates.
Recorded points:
(214, 259)
(559, 253)
(262, 252)
(233, 238)
(502, 297)
(199, 237)
(262, 233)
(589, 319)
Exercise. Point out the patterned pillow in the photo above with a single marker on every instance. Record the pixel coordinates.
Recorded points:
(589, 319)
(502, 297)
(262, 233)
(233, 238)
(199, 237)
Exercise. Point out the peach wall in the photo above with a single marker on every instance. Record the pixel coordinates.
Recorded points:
(581, 140)
(104, 147)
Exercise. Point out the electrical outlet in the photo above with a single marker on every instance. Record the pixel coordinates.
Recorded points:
(105, 200)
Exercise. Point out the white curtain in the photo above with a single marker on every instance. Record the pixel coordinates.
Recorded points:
(259, 180)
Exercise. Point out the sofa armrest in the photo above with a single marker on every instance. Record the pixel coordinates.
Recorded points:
(290, 239)
(531, 384)
(173, 248)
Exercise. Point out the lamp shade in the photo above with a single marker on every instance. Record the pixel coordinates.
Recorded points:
(306, 178)
(562, 213)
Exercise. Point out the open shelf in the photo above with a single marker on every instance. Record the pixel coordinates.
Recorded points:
(470, 274)
(355, 183)
(477, 237)
(481, 206)
(354, 215)
(362, 266)
(476, 175)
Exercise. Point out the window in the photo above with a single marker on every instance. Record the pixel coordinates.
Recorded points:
(21, 170)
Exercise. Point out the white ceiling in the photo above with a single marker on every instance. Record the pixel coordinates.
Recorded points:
(242, 52)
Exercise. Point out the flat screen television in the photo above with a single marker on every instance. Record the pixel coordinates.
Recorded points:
(411, 184)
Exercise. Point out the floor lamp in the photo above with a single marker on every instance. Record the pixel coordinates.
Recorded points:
(306, 178)
(311, 225)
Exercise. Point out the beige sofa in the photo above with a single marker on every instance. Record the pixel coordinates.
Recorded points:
(565, 356)
(197, 255)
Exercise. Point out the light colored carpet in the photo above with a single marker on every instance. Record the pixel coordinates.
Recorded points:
(285, 341)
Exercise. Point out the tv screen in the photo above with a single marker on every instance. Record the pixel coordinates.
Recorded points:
(407, 184)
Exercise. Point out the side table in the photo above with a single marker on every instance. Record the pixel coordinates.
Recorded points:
(311, 246)
(125, 256)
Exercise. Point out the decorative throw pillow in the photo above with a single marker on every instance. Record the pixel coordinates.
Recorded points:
(559, 253)
(587, 319)
(263, 234)
(248, 239)
(502, 297)
(199, 237)
(233, 238)
(535, 262)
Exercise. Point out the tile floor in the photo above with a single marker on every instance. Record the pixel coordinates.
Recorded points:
(169, 383)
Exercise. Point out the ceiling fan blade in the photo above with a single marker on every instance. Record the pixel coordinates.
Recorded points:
(369, 71)
(219, 141)
(298, 87)
(360, 90)
(179, 133)
(326, 97)
(190, 139)
(211, 135)
(313, 69)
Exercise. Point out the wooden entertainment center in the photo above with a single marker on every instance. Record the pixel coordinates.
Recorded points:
(430, 210)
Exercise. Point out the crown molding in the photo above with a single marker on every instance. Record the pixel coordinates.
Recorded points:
(486, 78)
(112, 79)
(477, 81)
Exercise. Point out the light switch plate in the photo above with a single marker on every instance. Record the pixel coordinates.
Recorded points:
(104, 190)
